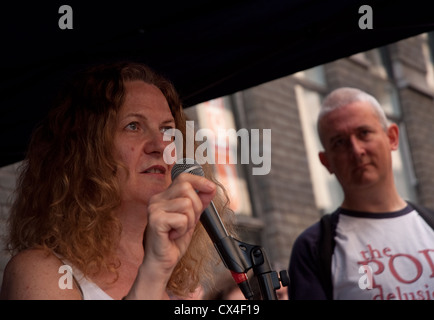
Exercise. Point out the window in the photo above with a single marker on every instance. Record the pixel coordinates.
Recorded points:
(428, 53)
(327, 191)
(309, 94)
(387, 95)
(214, 116)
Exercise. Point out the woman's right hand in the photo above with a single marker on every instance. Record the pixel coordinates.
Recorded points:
(172, 218)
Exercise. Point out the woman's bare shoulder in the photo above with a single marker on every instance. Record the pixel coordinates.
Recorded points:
(37, 274)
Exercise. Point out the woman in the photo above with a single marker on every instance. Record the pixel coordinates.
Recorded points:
(93, 181)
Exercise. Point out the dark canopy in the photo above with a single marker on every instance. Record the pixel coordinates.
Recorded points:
(206, 48)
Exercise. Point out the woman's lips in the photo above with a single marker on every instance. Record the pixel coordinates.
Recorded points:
(155, 169)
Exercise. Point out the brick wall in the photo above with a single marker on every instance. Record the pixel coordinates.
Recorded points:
(7, 185)
(419, 115)
(286, 203)
(417, 102)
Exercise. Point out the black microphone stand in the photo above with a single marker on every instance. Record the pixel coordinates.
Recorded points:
(240, 257)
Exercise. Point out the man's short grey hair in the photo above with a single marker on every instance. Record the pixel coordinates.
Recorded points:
(346, 95)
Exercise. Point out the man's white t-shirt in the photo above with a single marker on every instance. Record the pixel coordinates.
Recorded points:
(387, 256)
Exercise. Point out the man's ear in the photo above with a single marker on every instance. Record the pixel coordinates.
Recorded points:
(393, 134)
(324, 160)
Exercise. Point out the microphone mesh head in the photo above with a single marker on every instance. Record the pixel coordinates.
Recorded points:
(186, 165)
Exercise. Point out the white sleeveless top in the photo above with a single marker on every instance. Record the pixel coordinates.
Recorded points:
(89, 290)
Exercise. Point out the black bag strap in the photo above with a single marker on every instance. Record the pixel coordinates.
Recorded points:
(425, 213)
(326, 247)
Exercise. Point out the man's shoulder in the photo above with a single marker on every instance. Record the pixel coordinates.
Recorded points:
(314, 233)
(309, 235)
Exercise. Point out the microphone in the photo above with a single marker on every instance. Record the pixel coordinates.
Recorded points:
(213, 225)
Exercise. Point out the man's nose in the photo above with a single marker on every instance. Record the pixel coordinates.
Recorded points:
(357, 146)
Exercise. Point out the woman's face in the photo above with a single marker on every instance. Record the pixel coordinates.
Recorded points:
(138, 142)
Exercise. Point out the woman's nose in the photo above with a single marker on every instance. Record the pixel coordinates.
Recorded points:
(155, 143)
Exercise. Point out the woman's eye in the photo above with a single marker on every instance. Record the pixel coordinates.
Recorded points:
(132, 126)
(168, 130)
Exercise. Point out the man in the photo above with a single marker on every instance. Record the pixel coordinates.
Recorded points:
(381, 247)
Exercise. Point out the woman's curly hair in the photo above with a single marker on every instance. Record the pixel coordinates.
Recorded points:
(67, 190)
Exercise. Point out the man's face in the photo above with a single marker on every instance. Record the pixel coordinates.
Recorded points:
(357, 149)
